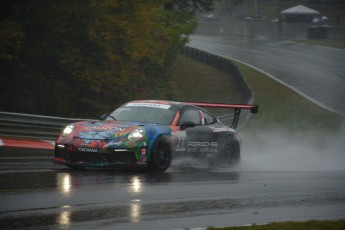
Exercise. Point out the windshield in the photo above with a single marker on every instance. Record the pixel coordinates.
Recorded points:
(159, 114)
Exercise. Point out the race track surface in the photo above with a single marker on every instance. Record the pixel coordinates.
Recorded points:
(281, 176)
(316, 72)
(38, 194)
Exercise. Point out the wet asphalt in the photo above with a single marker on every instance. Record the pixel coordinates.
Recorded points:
(316, 72)
(34, 193)
(278, 178)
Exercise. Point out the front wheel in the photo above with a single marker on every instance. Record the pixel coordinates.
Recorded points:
(74, 167)
(160, 159)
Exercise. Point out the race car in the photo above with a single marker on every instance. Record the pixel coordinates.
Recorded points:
(149, 134)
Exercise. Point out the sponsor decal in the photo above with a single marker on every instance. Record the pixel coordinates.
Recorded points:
(105, 128)
(208, 150)
(118, 143)
(192, 150)
(203, 144)
(202, 150)
(180, 144)
(179, 134)
(222, 129)
(147, 104)
(181, 137)
(143, 158)
(88, 150)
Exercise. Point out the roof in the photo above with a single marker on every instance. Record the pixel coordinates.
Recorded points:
(157, 103)
(300, 9)
(166, 104)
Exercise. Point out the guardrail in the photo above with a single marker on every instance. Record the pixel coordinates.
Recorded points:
(223, 64)
(242, 30)
(33, 126)
(49, 128)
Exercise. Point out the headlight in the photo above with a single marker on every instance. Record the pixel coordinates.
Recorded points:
(67, 130)
(136, 134)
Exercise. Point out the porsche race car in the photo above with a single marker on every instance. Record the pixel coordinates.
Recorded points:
(149, 134)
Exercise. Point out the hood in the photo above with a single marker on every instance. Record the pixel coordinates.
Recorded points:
(103, 129)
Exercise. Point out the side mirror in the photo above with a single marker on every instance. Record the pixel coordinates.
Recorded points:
(187, 124)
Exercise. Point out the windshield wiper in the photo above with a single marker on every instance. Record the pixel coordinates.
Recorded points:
(104, 116)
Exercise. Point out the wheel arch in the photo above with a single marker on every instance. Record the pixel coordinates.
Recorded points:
(155, 157)
(234, 143)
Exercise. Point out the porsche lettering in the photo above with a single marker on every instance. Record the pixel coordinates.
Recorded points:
(203, 144)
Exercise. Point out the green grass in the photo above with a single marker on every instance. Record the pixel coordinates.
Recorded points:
(282, 107)
(195, 81)
(326, 42)
(307, 225)
(279, 106)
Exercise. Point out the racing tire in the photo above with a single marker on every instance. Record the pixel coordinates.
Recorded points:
(230, 152)
(161, 154)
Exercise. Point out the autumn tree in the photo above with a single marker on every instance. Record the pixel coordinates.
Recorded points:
(82, 58)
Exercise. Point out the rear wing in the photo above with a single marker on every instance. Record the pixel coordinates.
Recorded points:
(237, 109)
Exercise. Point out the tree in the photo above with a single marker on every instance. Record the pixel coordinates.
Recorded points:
(83, 58)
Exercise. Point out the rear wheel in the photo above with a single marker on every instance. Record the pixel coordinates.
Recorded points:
(160, 159)
(230, 152)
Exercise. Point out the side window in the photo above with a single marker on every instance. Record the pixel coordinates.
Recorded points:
(191, 115)
(208, 118)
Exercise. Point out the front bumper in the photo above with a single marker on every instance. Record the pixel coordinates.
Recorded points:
(106, 158)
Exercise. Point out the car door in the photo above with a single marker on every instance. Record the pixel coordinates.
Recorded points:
(197, 139)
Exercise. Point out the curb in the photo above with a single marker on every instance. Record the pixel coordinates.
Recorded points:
(26, 143)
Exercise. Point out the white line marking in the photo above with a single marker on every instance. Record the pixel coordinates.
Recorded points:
(285, 84)
(50, 142)
(280, 81)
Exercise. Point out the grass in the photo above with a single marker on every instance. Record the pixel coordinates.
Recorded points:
(282, 107)
(307, 225)
(195, 81)
(326, 42)
(279, 106)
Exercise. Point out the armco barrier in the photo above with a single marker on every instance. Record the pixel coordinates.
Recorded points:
(242, 30)
(32, 126)
(222, 64)
(48, 128)
(326, 32)
(228, 66)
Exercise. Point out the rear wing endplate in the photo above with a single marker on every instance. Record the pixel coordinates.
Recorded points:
(237, 109)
